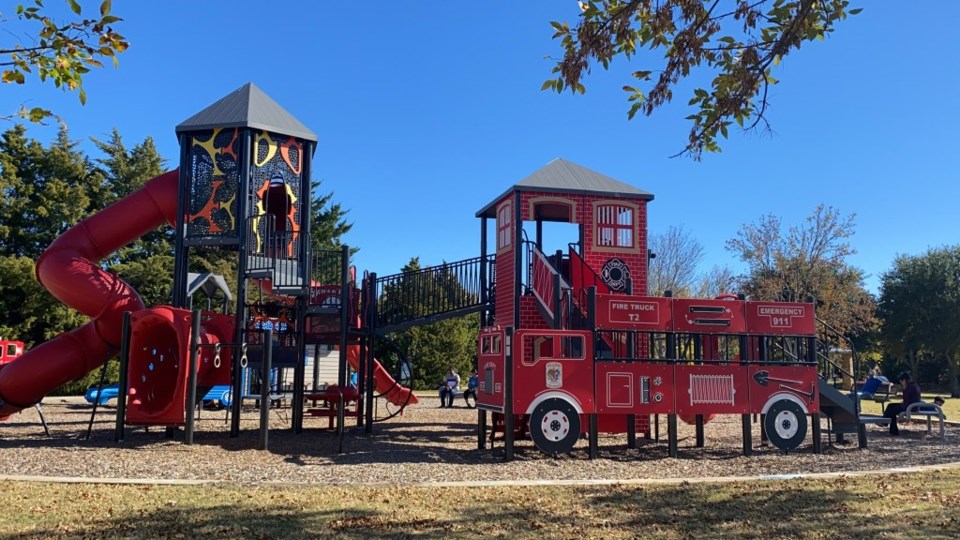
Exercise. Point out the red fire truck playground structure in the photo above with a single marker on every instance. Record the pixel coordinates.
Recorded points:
(575, 347)
(570, 344)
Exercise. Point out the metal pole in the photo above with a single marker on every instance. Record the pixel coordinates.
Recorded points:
(484, 293)
(481, 429)
(362, 359)
(671, 418)
(593, 436)
(746, 426)
(265, 367)
(190, 406)
(508, 396)
(371, 347)
(122, 383)
(96, 402)
(243, 211)
(699, 431)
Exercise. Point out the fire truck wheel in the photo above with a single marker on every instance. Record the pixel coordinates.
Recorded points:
(785, 424)
(555, 426)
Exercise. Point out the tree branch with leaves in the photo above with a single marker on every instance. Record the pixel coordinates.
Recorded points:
(737, 41)
(62, 52)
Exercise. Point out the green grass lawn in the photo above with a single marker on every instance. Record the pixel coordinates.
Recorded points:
(921, 505)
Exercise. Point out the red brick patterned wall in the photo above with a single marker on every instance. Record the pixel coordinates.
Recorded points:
(584, 207)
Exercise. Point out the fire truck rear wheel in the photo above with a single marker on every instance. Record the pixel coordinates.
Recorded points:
(555, 426)
(785, 424)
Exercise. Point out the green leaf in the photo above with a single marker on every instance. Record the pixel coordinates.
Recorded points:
(855, 11)
(105, 7)
(547, 84)
(37, 114)
(75, 6)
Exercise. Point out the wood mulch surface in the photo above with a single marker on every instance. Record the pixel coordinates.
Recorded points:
(426, 444)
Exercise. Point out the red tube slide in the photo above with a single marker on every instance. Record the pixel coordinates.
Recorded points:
(383, 382)
(70, 270)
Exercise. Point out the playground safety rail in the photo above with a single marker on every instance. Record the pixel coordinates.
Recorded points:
(432, 294)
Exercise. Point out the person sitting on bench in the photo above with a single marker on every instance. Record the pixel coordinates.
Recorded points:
(450, 388)
(911, 395)
(472, 383)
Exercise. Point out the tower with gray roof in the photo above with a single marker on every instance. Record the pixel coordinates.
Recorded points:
(245, 187)
(609, 252)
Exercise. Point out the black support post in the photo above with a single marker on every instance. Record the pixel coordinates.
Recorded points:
(481, 429)
(190, 406)
(671, 418)
(672, 435)
(122, 383)
(817, 442)
(594, 436)
(745, 425)
(747, 434)
(265, 366)
(699, 428)
(240, 338)
(372, 323)
(508, 419)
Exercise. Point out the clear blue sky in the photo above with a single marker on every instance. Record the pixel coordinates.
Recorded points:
(426, 111)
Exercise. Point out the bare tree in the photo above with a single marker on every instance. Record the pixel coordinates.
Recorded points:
(675, 267)
(719, 280)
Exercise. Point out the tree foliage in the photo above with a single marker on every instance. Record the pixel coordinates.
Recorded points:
(807, 260)
(45, 190)
(919, 308)
(59, 51)
(737, 42)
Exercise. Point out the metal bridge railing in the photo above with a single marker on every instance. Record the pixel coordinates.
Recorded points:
(433, 293)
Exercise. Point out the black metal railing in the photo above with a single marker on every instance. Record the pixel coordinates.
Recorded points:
(433, 293)
(327, 267)
(830, 344)
(278, 255)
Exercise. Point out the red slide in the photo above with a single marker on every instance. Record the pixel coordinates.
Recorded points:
(70, 270)
(382, 381)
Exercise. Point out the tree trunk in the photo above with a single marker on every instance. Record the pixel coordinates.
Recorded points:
(952, 374)
(914, 365)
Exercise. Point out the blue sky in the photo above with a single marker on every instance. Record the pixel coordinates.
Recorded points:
(426, 111)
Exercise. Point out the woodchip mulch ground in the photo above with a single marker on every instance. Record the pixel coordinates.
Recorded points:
(426, 444)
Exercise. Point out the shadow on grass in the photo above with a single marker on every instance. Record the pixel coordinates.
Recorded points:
(767, 510)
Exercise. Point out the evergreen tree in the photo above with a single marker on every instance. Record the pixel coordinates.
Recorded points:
(45, 191)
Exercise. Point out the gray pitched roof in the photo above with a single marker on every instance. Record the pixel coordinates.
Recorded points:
(562, 176)
(208, 283)
(247, 106)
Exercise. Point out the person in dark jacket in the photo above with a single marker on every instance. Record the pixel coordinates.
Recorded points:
(911, 395)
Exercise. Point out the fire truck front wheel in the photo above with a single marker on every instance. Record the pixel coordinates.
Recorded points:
(785, 424)
(555, 426)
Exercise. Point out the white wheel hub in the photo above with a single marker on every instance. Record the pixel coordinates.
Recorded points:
(555, 426)
(786, 424)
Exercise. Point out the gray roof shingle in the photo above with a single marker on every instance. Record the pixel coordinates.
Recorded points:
(562, 176)
(247, 106)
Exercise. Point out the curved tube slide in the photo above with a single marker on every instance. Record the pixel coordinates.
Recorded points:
(70, 270)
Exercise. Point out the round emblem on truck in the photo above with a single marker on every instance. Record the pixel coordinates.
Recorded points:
(615, 274)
